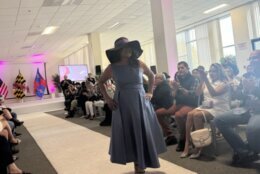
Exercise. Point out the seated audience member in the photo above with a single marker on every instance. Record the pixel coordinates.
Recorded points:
(216, 101)
(195, 73)
(248, 113)
(83, 98)
(231, 71)
(184, 87)
(162, 100)
(98, 100)
(89, 103)
(7, 131)
(73, 98)
(168, 78)
(201, 68)
(91, 79)
(7, 164)
(65, 84)
(8, 114)
(234, 81)
(68, 98)
(249, 72)
(110, 88)
(184, 90)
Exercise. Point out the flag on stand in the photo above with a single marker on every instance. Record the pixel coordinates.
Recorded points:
(3, 89)
(39, 84)
(19, 86)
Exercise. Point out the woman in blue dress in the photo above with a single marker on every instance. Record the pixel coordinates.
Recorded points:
(136, 135)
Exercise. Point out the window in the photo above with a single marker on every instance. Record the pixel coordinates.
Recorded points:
(202, 40)
(227, 37)
(182, 47)
(193, 54)
(192, 47)
(253, 18)
(257, 18)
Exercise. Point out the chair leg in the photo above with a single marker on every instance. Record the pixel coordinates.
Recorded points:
(214, 137)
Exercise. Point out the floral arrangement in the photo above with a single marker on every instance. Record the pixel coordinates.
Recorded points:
(56, 82)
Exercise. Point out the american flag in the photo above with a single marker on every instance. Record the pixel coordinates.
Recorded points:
(3, 89)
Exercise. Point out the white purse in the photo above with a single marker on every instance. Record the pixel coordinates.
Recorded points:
(202, 137)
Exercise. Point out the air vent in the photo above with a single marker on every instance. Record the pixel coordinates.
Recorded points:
(20, 56)
(26, 47)
(34, 33)
(49, 3)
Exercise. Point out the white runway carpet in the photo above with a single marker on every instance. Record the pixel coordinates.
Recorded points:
(73, 149)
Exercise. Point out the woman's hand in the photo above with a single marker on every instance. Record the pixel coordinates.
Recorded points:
(203, 76)
(175, 85)
(148, 96)
(112, 104)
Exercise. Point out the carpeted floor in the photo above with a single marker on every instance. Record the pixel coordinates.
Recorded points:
(31, 157)
(205, 165)
(74, 149)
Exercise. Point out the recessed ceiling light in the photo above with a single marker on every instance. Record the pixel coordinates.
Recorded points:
(49, 30)
(215, 8)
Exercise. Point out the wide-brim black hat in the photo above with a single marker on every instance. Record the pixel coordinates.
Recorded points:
(113, 54)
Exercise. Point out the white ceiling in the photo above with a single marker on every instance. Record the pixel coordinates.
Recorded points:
(22, 21)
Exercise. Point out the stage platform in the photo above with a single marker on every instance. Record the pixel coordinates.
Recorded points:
(30, 105)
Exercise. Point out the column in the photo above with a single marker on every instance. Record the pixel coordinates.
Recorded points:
(95, 51)
(164, 36)
(241, 36)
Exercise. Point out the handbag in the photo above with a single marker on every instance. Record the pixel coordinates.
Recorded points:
(202, 137)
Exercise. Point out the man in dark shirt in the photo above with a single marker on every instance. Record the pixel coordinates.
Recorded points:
(65, 83)
(162, 100)
(184, 92)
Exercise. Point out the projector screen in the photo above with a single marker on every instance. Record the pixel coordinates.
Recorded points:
(74, 72)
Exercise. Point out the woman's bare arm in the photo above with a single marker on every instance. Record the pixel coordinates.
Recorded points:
(103, 79)
(150, 76)
(216, 91)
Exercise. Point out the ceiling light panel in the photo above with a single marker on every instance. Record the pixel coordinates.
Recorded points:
(215, 8)
(50, 30)
(48, 3)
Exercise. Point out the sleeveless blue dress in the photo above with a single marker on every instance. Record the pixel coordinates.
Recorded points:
(136, 133)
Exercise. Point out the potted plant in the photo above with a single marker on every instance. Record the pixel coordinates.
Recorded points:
(57, 84)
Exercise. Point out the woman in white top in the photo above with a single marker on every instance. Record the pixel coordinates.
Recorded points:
(216, 101)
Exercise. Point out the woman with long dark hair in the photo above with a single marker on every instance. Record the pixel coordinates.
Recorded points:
(216, 102)
(136, 134)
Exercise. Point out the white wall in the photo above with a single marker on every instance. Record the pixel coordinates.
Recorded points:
(9, 71)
